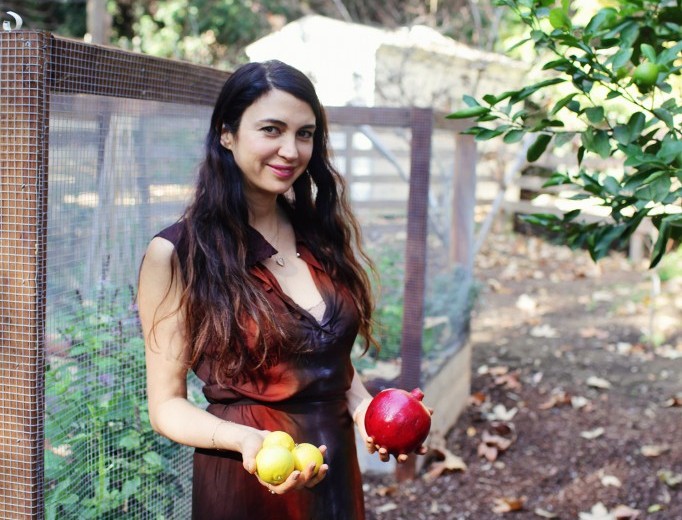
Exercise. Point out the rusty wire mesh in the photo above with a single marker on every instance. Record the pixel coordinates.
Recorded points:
(119, 137)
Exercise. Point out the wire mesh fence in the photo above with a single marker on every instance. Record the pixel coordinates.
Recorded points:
(98, 149)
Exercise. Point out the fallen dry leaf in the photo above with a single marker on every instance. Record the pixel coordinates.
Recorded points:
(385, 508)
(544, 331)
(578, 402)
(477, 398)
(510, 380)
(610, 481)
(500, 413)
(598, 382)
(623, 512)
(593, 332)
(498, 371)
(385, 491)
(673, 402)
(558, 398)
(654, 450)
(508, 504)
(526, 303)
(592, 434)
(670, 479)
(492, 445)
(598, 512)
(448, 463)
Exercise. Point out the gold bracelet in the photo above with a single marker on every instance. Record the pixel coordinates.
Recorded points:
(213, 444)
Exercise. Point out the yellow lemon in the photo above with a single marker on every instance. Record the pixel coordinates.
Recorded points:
(279, 438)
(274, 464)
(304, 454)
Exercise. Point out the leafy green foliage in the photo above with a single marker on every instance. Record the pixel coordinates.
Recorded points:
(446, 308)
(102, 459)
(614, 85)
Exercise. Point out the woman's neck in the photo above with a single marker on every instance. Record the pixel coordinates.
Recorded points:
(266, 218)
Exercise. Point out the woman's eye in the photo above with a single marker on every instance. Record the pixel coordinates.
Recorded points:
(270, 130)
(305, 134)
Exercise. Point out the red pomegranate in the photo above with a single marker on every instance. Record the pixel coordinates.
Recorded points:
(398, 420)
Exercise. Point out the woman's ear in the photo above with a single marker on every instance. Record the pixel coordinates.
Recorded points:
(226, 139)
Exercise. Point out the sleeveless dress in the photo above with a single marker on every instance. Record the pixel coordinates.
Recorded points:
(304, 396)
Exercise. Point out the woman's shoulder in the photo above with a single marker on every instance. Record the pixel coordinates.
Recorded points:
(171, 233)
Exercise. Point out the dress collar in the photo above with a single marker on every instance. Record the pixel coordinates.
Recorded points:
(260, 249)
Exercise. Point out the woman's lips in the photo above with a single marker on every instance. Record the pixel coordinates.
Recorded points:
(282, 171)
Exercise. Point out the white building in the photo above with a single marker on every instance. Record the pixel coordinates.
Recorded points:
(353, 64)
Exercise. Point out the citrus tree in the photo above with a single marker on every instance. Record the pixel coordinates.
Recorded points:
(614, 85)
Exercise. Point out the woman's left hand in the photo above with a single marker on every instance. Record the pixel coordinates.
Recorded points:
(372, 447)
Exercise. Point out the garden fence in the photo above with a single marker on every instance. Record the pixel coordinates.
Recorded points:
(98, 150)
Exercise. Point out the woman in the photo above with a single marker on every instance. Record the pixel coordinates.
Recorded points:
(259, 290)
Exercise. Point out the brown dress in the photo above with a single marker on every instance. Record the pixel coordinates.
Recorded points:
(304, 396)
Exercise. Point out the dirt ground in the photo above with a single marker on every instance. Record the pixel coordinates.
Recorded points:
(576, 398)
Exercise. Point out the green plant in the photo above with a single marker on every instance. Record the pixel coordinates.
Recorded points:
(102, 459)
(611, 87)
(448, 300)
(671, 266)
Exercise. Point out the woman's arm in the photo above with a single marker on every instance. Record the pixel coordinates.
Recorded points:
(167, 355)
(358, 398)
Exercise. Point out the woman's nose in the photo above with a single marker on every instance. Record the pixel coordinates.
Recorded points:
(288, 148)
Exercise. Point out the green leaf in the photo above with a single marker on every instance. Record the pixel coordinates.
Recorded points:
(513, 136)
(621, 57)
(670, 150)
(595, 114)
(131, 486)
(580, 154)
(670, 54)
(561, 65)
(605, 238)
(470, 101)
(538, 147)
(665, 116)
(532, 89)
(611, 185)
(562, 103)
(597, 141)
(603, 18)
(486, 134)
(154, 459)
(636, 124)
(621, 133)
(468, 112)
(655, 191)
(648, 52)
(668, 227)
(562, 138)
(557, 179)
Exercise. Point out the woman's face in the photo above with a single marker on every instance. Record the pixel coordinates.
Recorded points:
(273, 144)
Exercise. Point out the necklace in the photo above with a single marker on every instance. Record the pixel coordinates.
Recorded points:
(278, 257)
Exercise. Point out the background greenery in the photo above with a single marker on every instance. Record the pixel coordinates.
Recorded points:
(215, 32)
(610, 88)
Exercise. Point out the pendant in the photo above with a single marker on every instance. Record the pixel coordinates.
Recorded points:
(279, 260)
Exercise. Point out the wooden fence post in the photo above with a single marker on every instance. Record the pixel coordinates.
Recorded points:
(415, 261)
(24, 61)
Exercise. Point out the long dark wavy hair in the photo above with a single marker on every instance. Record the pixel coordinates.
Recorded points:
(223, 304)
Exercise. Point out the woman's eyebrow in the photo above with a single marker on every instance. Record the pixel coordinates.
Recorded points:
(273, 121)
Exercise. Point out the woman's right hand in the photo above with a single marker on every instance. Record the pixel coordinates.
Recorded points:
(251, 445)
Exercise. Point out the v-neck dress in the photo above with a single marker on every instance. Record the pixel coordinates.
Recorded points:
(303, 395)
